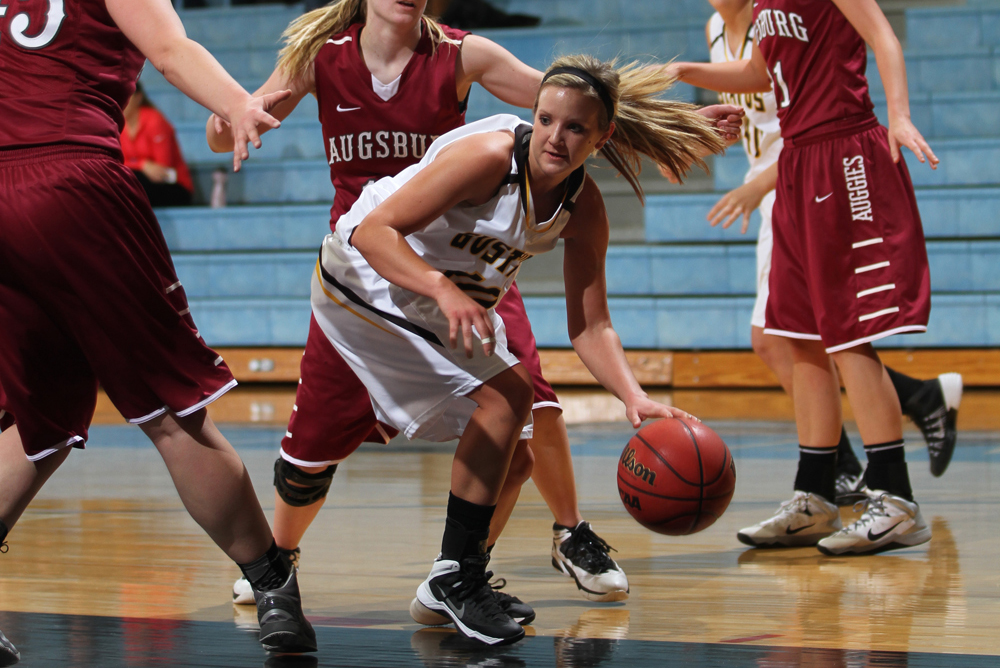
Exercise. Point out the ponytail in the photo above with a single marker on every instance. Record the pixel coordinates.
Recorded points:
(306, 35)
(670, 133)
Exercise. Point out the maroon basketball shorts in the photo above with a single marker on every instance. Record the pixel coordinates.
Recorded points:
(849, 263)
(88, 295)
(333, 415)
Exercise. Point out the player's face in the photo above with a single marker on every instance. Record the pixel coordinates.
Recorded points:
(396, 11)
(566, 131)
(730, 5)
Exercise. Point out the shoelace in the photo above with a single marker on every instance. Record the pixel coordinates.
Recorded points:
(593, 548)
(503, 597)
(797, 504)
(292, 556)
(475, 586)
(933, 426)
(871, 508)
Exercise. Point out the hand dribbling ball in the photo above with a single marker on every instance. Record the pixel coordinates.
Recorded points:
(676, 476)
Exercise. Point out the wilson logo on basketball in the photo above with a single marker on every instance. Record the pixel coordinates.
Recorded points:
(637, 469)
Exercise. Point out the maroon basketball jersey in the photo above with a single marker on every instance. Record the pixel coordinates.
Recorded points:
(66, 73)
(368, 137)
(816, 60)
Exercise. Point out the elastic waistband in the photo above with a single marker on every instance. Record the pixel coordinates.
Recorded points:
(842, 127)
(25, 156)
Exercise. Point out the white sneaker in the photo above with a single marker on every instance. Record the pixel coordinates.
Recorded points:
(888, 522)
(581, 554)
(802, 520)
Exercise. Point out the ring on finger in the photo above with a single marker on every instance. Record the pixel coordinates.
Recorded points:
(488, 339)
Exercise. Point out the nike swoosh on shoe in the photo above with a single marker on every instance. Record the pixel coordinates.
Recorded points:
(790, 531)
(875, 536)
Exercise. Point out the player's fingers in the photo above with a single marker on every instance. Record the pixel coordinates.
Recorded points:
(254, 136)
(746, 222)
(894, 148)
(218, 124)
(720, 212)
(733, 215)
(467, 337)
(487, 335)
(237, 162)
(452, 332)
(274, 98)
(632, 415)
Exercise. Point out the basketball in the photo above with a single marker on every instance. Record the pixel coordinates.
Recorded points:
(676, 476)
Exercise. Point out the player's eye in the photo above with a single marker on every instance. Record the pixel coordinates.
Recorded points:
(544, 120)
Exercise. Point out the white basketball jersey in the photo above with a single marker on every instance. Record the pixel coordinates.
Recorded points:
(761, 131)
(481, 247)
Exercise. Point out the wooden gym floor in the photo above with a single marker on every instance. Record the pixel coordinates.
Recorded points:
(107, 569)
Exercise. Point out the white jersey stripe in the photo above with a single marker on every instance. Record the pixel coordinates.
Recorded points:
(871, 267)
(876, 314)
(867, 242)
(881, 288)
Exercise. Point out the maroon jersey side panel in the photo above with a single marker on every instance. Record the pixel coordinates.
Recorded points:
(816, 60)
(367, 137)
(66, 72)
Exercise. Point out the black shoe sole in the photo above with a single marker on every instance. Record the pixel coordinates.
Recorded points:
(287, 642)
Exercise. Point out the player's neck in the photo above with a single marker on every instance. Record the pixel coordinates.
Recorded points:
(386, 48)
(737, 23)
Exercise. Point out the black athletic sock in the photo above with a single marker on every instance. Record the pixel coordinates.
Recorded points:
(906, 387)
(3, 536)
(847, 461)
(817, 471)
(466, 530)
(887, 469)
(268, 572)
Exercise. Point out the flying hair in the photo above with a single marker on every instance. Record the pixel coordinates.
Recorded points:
(672, 134)
(306, 35)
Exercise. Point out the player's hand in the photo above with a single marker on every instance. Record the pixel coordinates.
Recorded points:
(463, 315)
(244, 122)
(741, 201)
(155, 172)
(728, 120)
(641, 407)
(902, 132)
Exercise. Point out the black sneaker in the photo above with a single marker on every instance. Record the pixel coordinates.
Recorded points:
(283, 626)
(8, 653)
(243, 592)
(934, 409)
(516, 609)
(849, 488)
(581, 554)
(461, 590)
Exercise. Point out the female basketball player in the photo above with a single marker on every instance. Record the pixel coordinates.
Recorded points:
(729, 34)
(88, 293)
(406, 285)
(388, 81)
(849, 264)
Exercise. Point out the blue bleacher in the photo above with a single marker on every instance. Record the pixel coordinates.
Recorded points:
(247, 268)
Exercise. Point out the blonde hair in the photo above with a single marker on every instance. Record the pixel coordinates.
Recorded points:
(671, 133)
(306, 35)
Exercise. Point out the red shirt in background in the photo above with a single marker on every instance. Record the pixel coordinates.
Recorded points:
(155, 141)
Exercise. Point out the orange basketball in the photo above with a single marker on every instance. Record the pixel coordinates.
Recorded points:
(676, 476)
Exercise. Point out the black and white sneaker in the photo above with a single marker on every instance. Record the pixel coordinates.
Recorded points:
(8, 653)
(283, 626)
(518, 610)
(581, 554)
(849, 488)
(243, 592)
(934, 409)
(462, 591)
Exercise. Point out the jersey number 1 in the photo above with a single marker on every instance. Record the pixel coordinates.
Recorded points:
(786, 98)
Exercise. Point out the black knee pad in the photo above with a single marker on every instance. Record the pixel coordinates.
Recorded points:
(298, 488)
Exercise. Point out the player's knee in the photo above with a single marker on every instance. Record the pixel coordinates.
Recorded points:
(299, 488)
(765, 346)
(521, 464)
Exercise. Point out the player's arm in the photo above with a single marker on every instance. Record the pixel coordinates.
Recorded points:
(744, 200)
(217, 132)
(741, 76)
(470, 170)
(497, 70)
(868, 19)
(589, 320)
(155, 29)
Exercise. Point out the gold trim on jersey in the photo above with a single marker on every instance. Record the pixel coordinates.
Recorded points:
(341, 304)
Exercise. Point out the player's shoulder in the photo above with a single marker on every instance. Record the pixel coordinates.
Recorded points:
(344, 41)
(715, 29)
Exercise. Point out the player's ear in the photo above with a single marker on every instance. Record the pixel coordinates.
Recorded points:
(605, 137)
